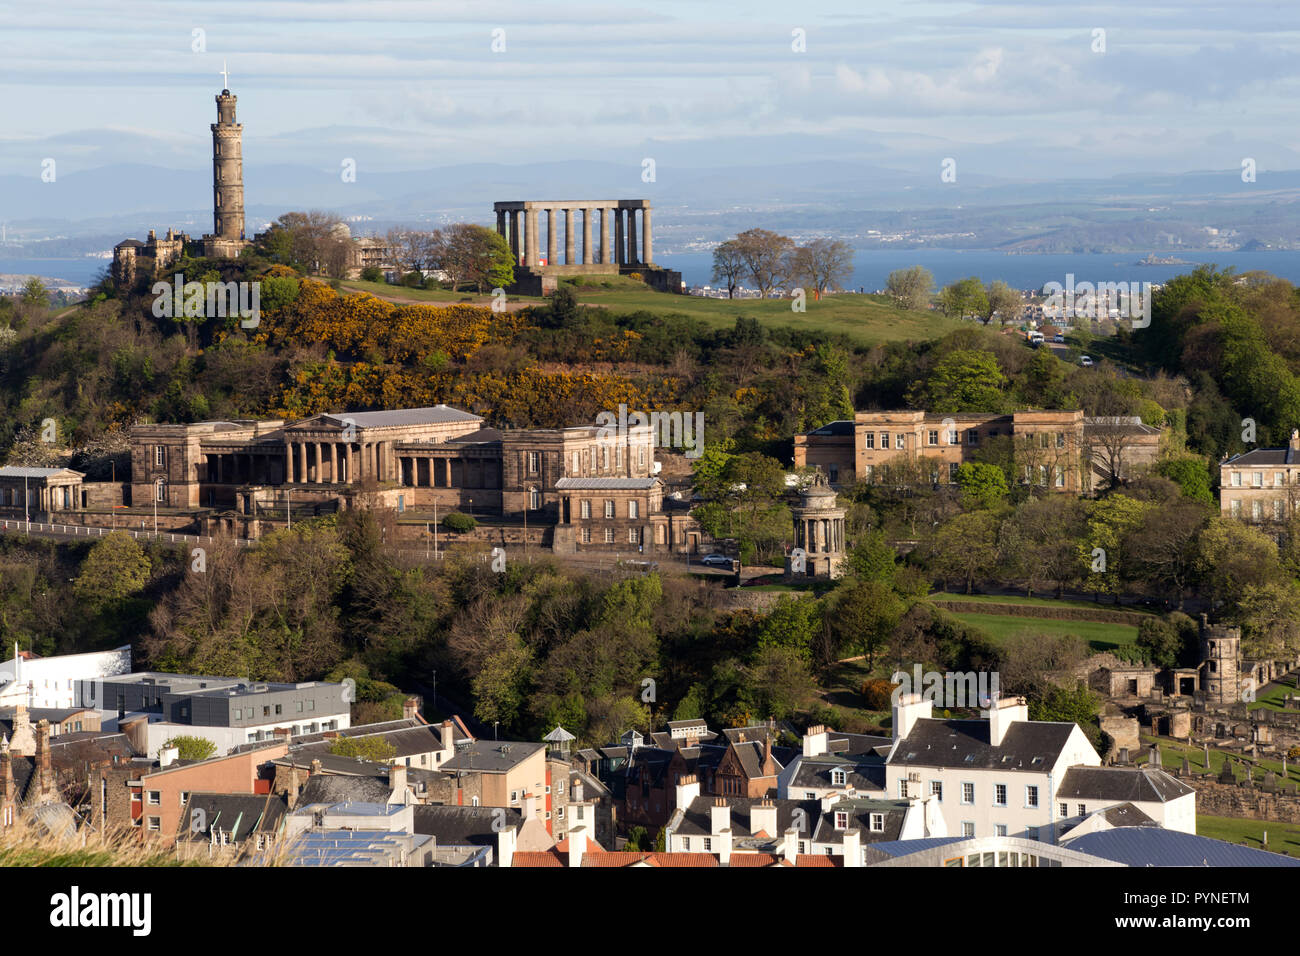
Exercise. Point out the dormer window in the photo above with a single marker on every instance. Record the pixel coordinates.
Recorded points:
(839, 777)
(877, 823)
(841, 820)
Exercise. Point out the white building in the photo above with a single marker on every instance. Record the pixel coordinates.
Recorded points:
(1009, 776)
(50, 682)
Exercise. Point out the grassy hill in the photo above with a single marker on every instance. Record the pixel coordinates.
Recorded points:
(866, 319)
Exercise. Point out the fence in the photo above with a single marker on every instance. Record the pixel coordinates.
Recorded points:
(87, 531)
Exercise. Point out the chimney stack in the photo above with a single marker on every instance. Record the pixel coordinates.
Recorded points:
(577, 846)
(790, 846)
(397, 783)
(1295, 439)
(688, 788)
(448, 733)
(1002, 715)
(315, 766)
(907, 711)
(816, 741)
(719, 816)
(852, 847)
(506, 847)
(411, 709)
(762, 818)
(44, 765)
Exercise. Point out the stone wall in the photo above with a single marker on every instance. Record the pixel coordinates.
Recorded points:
(1233, 800)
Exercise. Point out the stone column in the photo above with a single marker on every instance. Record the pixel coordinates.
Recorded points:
(334, 463)
(645, 234)
(568, 237)
(551, 236)
(620, 249)
(303, 477)
(516, 236)
(604, 235)
(631, 236)
(501, 222)
(220, 479)
(586, 237)
(530, 238)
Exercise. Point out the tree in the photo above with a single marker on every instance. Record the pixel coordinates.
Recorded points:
(470, 253)
(965, 548)
(821, 264)
(1111, 520)
(728, 265)
(1161, 643)
(116, 568)
(35, 294)
(1040, 542)
(1191, 475)
(910, 288)
(964, 380)
(862, 617)
(376, 749)
(982, 485)
(191, 748)
(412, 250)
(1270, 620)
(1163, 548)
(766, 256)
(779, 681)
(964, 297)
(1001, 299)
(313, 242)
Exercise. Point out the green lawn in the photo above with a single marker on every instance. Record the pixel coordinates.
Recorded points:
(1270, 695)
(1282, 837)
(1172, 753)
(1100, 636)
(867, 319)
(1037, 602)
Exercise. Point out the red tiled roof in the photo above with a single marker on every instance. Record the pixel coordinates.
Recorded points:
(818, 859)
(531, 858)
(755, 859)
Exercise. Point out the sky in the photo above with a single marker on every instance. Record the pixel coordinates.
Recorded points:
(1035, 90)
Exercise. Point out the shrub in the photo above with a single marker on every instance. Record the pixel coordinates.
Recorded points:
(459, 523)
(877, 693)
(372, 274)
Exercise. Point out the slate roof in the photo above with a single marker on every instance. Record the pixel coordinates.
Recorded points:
(897, 848)
(1028, 745)
(24, 471)
(482, 436)
(1156, 846)
(338, 788)
(859, 812)
(433, 415)
(864, 772)
(464, 826)
(858, 744)
(1123, 784)
(1265, 456)
(239, 814)
(600, 484)
(405, 743)
(834, 428)
(491, 756)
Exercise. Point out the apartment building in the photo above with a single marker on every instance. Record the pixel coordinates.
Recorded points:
(1262, 486)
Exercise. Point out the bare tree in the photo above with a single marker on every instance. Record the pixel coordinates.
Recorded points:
(821, 265)
(1109, 441)
(910, 288)
(728, 265)
(766, 256)
(413, 250)
(1002, 300)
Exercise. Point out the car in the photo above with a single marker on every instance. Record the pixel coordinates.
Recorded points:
(716, 561)
(1085, 362)
(1059, 339)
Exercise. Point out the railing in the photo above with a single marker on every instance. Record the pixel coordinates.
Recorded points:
(88, 531)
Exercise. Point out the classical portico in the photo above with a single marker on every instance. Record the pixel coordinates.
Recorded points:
(818, 532)
(585, 227)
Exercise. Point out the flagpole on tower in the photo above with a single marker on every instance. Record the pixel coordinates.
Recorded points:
(225, 76)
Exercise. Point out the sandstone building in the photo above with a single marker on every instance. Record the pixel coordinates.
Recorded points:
(1058, 450)
(1261, 486)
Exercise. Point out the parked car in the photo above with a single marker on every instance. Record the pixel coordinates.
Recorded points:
(1085, 362)
(1058, 338)
(716, 561)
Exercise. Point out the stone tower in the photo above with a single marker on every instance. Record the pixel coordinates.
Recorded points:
(818, 531)
(1221, 653)
(227, 171)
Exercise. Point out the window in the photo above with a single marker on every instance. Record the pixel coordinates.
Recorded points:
(1257, 479)
(1279, 479)
(686, 844)
(618, 457)
(1060, 477)
(839, 778)
(933, 438)
(1000, 829)
(1277, 510)
(968, 828)
(708, 844)
(311, 703)
(634, 509)
(160, 490)
(1065, 810)
(640, 458)
(604, 458)
(973, 437)
(609, 535)
(1083, 809)
(902, 789)
(952, 470)
(633, 535)
(185, 797)
(936, 789)
(1236, 508)
(900, 442)
(1000, 794)
(1236, 479)
(584, 508)
(841, 820)
(534, 462)
(834, 470)
(1031, 796)
(560, 812)
(1031, 833)
(1060, 439)
(609, 508)
(514, 796)
(1256, 510)
(160, 456)
(1042, 475)
(577, 462)
(155, 823)
(277, 710)
(297, 706)
(884, 439)
(877, 823)
(586, 536)
(534, 499)
(968, 793)
(869, 441)
(155, 798)
(952, 436)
